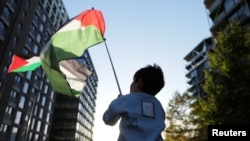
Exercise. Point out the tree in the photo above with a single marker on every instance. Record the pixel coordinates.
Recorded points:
(198, 114)
(179, 126)
(227, 79)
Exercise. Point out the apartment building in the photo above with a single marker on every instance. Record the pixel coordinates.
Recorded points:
(220, 13)
(30, 108)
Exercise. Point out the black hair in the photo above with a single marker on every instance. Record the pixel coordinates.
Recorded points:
(152, 78)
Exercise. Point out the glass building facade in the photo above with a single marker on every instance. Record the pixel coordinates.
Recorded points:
(30, 108)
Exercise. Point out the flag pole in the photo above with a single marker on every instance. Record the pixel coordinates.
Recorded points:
(120, 92)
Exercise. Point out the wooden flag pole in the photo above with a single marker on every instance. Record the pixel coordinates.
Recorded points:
(120, 92)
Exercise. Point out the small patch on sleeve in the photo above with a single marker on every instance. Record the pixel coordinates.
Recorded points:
(148, 109)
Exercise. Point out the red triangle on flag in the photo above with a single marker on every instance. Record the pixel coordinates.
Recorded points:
(16, 63)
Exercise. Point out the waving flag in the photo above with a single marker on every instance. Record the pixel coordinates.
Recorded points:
(84, 31)
(76, 74)
(21, 64)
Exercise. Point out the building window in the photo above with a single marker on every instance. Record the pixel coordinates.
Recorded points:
(39, 8)
(13, 133)
(54, 9)
(10, 54)
(41, 27)
(14, 42)
(13, 3)
(45, 129)
(24, 14)
(62, 10)
(41, 84)
(45, 89)
(35, 49)
(244, 13)
(48, 117)
(38, 38)
(38, 126)
(47, 35)
(28, 75)
(47, 8)
(29, 40)
(18, 79)
(30, 136)
(43, 100)
(25, 87)
(8, 112)
(50, 2)
(44, 18)
(13, 96)
(3, 128)
(25, 51)
(33, 123)
(19, 28)
(50, 106)
(27, 4)
(5, 68)
(18, 117)
(33, 28)
(2, 29)
(1, 85)
(26, 118)
(52, 95)
(41, 113)
(21, 102)
(38, 97)
(36, 18)
(36, 137)
(7, 14)
(35, 110)
(228, 5)
(52, 19)
(33, 90)
(29, 107)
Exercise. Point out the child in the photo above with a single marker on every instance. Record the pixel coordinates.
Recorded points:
(142, 115)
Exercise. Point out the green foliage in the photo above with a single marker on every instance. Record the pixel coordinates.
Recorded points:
(228, 77)
(226, 87)
(179, 126)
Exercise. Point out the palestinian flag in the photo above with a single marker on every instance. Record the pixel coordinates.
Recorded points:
(69, 42)
(21, 64)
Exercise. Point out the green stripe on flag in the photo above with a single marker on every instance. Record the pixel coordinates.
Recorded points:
(68, 43)
(30, 67)
(71, 44)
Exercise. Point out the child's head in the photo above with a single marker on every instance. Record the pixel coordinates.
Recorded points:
(149, 79)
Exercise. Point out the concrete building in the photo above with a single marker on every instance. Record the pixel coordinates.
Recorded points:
(221, 12)
(196, 62)
(29, 106)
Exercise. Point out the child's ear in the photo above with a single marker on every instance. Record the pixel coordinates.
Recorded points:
(140, 83)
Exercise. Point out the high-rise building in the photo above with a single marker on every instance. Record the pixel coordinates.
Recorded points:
(220, 13)
(74, 117)
(29, 107)
(197, 62)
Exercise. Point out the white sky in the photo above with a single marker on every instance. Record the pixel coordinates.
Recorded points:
(139, 33)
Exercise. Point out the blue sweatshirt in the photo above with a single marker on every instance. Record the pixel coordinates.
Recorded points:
(142, 117)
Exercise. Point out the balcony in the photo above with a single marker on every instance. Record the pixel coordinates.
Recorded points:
(222, 15)
(7, 15)
(212, 5)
